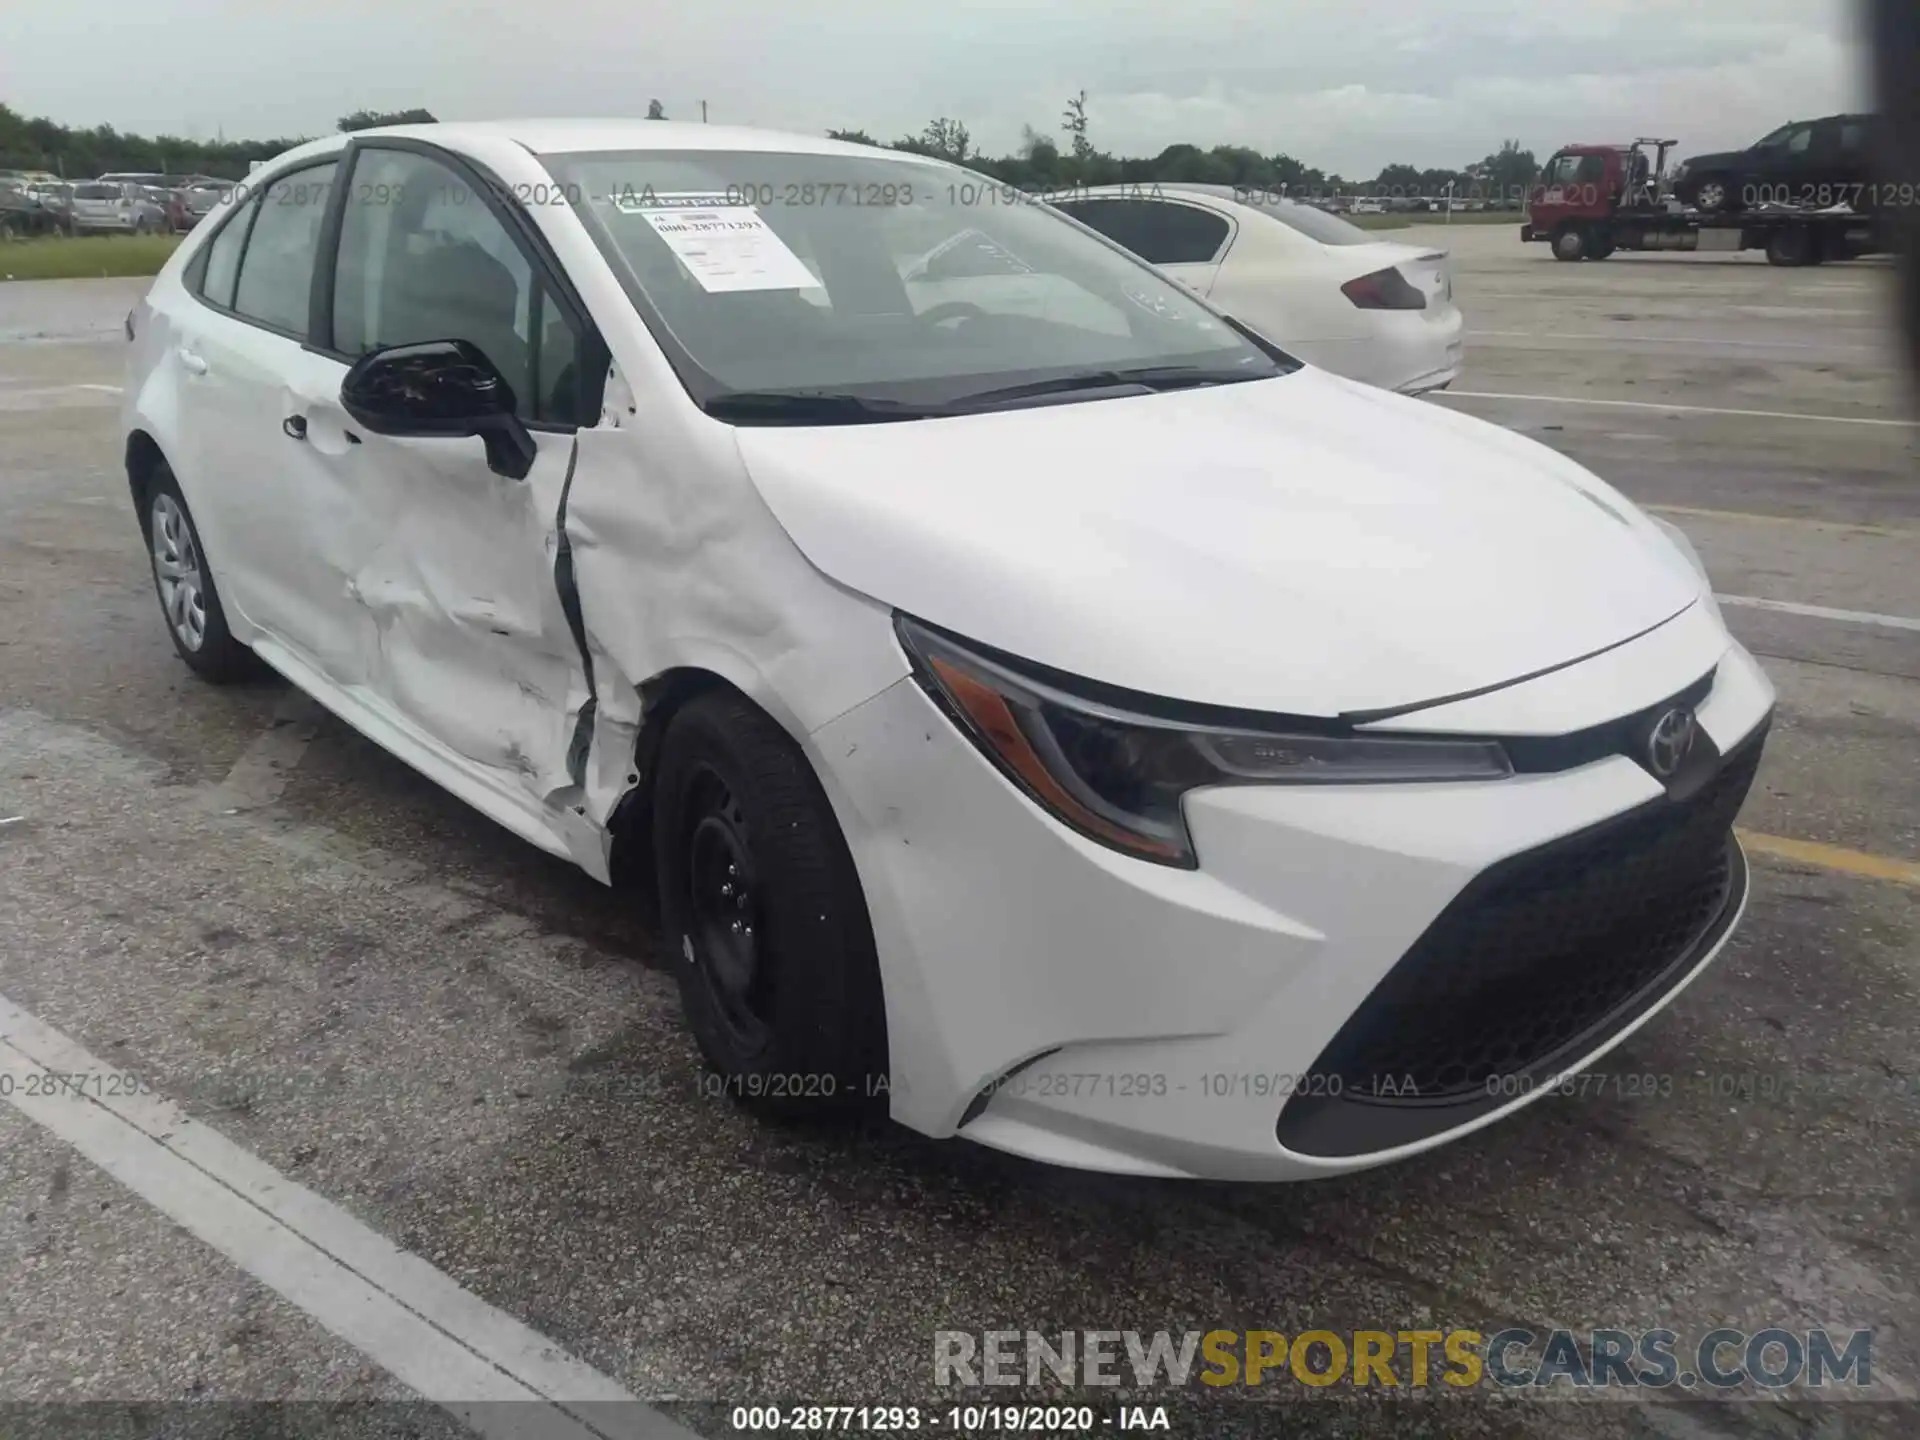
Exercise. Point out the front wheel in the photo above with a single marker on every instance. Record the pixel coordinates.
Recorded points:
(764, 916)
(1570, 244)
(1713, 195)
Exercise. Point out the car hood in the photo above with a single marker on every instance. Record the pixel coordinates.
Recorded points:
(1304, 545)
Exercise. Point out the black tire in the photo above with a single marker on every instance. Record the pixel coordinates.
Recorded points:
(789, 1011)
(1714, 195)
(1602, 245)
(1793, 245)
(1570, 244)
(209, 648)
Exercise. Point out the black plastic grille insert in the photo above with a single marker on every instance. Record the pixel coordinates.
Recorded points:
(1536, 961)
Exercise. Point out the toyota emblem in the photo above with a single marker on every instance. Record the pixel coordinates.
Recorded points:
(1671, 741)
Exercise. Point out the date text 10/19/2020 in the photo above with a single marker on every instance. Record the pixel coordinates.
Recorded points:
(1749, 1086)
(954, 1419)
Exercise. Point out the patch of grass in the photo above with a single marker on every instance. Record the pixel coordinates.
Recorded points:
(80, 257)
(1436, 217)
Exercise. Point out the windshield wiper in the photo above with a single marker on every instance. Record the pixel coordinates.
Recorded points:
(814, 407)
(1137, 379)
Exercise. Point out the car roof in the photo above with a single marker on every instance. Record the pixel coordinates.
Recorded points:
(578, 136)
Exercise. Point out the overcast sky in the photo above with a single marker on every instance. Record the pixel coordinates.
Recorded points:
(1348, 85)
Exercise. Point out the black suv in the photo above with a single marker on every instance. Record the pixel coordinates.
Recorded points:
(1810, 163)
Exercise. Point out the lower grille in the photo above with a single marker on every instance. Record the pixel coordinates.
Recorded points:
(1542, 957)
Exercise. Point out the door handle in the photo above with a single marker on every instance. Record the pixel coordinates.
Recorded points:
(295, 426)
(191, 362)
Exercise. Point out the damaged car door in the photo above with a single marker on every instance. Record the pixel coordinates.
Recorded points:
(445, 616)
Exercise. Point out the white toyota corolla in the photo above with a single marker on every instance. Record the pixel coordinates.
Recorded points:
(1045, 710)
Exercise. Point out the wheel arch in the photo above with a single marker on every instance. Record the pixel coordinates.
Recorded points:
(630, 826)
(144, 458)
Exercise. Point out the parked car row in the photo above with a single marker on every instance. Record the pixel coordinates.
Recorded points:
(139, 203)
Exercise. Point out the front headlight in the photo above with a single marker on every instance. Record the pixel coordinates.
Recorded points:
(1685, 546)
(1118, 775)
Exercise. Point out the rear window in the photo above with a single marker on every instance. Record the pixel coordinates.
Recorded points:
(1313, 223)
(97, 192)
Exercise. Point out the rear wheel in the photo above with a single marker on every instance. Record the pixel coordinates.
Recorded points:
(189, 600)
(1793, 245)
(763, 912)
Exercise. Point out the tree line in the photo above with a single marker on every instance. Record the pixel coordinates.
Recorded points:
(1043, 163)
(79, 154)
(1039, 162)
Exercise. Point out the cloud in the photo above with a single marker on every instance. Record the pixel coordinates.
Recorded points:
(1344, 84)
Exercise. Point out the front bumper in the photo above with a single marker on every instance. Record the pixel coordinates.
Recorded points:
(1049, 997)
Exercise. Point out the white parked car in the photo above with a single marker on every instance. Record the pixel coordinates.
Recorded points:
(101, 206)
(1321, 288)
(1043, 710)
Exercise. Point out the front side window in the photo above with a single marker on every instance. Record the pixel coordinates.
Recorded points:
(1800, 141)
(276, 269)
(1563, 170)
(878, 278)
(423, 257)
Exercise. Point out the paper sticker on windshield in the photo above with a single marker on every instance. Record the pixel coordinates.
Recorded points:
(724, 246)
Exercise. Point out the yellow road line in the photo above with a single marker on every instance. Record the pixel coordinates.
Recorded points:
(1832, 857)
(1837, 525)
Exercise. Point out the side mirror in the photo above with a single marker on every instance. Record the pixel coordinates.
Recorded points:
(444, 388)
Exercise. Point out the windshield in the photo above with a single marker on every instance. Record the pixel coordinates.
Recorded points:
(877, 279)
(1775, 137)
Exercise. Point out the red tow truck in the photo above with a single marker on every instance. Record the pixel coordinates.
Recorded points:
(1592, 200)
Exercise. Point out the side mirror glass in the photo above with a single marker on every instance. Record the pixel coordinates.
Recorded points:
(440, 388)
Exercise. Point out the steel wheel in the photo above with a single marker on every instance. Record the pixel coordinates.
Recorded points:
(177, 571)
(724, 904)
(1712, 196)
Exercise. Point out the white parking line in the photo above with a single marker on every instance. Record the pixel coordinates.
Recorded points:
(1677, 409)
(1715, 341)
(265, 766)
(1821, 612)
(495, 1374)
